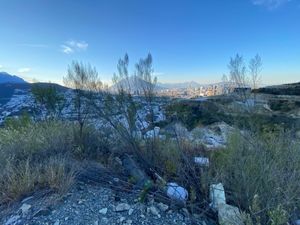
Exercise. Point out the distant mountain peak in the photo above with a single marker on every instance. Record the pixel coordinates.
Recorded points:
(8, 78)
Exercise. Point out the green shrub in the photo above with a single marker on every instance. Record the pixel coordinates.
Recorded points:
(193, 113)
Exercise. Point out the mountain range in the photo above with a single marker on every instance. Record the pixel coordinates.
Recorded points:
(7, 78)
(191, 84)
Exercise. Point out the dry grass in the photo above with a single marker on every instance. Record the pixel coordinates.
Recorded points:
(17, 181)
(34, 156)
(261, 174)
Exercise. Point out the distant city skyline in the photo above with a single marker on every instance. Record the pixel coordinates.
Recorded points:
(189, 40)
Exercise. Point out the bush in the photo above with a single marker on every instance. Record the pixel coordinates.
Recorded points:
(35, 140)
(261, 174)
(18, 180)
(193, 113)
(44, 154)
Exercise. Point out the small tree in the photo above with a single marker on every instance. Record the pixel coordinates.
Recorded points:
(255, 67)
(49, 98)
(84, 80)
(119, 108)
(240, 78)
(146, 81)
(238, 71)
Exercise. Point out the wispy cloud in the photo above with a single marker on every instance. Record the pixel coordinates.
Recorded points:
(74, 46)
(270, 4)
(1, 66)
(30, 45)
(66, 49)
(24, 70)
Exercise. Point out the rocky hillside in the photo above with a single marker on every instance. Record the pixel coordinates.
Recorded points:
(16, 98)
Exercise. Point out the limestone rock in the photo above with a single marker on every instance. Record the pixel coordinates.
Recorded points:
(25, 208)
(122, 207)
(229, 215)
(103, 211)
(163, 207)
(13, 220)
(154, 211)
(130, 211)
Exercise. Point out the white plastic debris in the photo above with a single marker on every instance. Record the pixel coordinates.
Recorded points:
(202, 161)
(156, 131)
(176, 192)
(217, 195)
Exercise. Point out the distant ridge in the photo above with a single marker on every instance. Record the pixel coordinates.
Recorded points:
(284, 89)
(7, 78)
(191, 84)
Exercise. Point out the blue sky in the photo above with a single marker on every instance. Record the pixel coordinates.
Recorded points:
(189, 40)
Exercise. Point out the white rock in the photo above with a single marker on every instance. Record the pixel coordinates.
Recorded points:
(128, 222)
(122, 219)
(162, 137)
(152, 133)
(104, 220)
(57, 222)
(119, 161)
(163, 207)
(154, 211)
(27, 199)
(176, 192)
(217, 195)
(202, 161)
(103, 211)
(130, 211)
(25, 208)
(13, 220)
(122, 207)
(229, 215)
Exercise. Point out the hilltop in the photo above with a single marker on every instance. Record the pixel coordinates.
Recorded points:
(7, 78)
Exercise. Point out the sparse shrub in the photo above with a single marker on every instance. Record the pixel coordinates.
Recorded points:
(14, 123)
(58, 173)
(261, 174)
(194, 113)
(36, 140)
(48, 96)
(278, 216)
(42, 155)
(19, 180)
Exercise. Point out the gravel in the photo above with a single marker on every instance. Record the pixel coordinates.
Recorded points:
(94, 205)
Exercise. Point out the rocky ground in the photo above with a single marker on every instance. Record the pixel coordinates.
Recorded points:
(92, 204)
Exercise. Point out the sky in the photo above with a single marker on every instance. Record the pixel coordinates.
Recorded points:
(189, 40)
